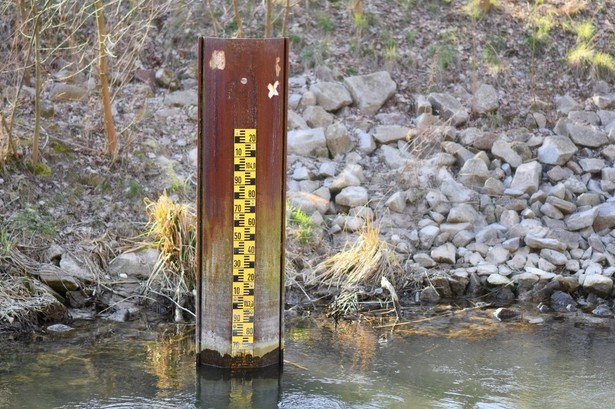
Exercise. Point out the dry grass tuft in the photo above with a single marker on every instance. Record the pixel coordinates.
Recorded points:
(26, 302)
(172, 226)
(363, 262)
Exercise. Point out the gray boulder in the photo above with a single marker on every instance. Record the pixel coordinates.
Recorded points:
(352, 175)
(607, 183)
(181, 98)
(605, 219)
(60, 92)
(485, 99)
(444, 254)
(139, 264)
(316, 117)
(305, 142)
(339, 141)
(397, 202)
(352, 196)
(390, 133)
(474, 173)
(582, 220)
(563, 205)
(76, 268)
(166, 78)
(554, 257)
(592, 165)
(296, 121)
(584, 117)
(556, 150)
(598, 284)
(427, 235)
(496, 279)
(527, 177)
(393, 157)
(371, 91)
(539, 243)
(586, 135)
(503, 150)
(449, 108)
(308, 202)
(565, 104)
(331, 95)
(463, 213)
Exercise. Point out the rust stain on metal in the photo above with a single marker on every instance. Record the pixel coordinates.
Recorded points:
(218, 60)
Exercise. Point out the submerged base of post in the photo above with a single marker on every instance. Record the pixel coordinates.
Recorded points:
(209, 357)
(241, 202)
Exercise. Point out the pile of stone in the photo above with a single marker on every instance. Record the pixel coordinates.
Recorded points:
(510, 211)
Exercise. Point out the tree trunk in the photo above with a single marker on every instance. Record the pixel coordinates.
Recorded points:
(285, 22)
(37, 99)
(112, 145)
(23, 18)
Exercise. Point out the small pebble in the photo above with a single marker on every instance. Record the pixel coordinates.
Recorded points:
(59, 328)
(504, 314)
(602, 311)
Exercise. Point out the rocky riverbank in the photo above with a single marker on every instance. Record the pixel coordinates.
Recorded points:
(518, 213)
(484, 161)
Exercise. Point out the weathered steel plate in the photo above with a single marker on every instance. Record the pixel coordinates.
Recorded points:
(242, 86)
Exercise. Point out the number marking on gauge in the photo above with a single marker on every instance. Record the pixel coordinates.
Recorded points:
(244, 241)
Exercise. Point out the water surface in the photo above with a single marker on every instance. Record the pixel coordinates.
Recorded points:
(457, 361)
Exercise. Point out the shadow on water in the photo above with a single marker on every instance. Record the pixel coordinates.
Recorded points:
(448, 362)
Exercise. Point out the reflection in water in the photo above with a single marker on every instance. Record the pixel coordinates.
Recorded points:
(167, 356)
(218, 388)
(447, 362)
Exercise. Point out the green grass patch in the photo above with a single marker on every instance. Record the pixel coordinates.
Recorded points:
(325, 23)
(6, 243)
(443, 55)
(39, 169)
(31, 222)
(584, 31)
(300, 226)
(585, 56)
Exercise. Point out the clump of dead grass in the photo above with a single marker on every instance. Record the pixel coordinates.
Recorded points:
(172, 227)
(359, 265)
(363, 262)
(26, 302)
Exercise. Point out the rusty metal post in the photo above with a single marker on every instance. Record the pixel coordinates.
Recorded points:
(241, 201)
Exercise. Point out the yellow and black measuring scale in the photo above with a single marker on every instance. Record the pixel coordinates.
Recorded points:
(244, 240)
(241, 201)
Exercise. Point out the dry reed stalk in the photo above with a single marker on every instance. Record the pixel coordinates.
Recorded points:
(214, 21)
(268, 18)
(238, 19)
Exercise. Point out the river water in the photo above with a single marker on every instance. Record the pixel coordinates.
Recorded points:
(444, 361)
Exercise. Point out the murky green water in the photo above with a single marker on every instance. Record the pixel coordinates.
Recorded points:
(454, 362)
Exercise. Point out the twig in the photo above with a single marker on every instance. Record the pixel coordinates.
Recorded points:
(296, 365)
(174, 302)
(431, 318)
